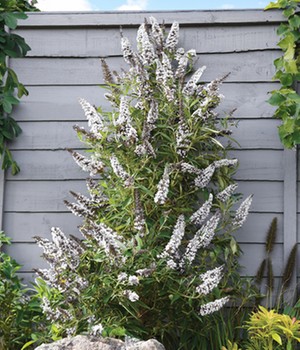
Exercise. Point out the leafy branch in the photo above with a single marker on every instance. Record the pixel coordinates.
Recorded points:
(11, 90)
(287, 67)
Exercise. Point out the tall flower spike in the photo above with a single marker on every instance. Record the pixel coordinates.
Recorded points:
(139, 219)
(156, 32)
(202, 238)
(93, 166)
(210, 280)
(201, 214)
(213, 306)
(173, 37)
(95, 119)
(163, 187)
(226, 193)
(191, 85)
(225, 162)
(242, 212)
(205, 176)
(120, 172)
(127, 51)
(182, 138)
(147, 49)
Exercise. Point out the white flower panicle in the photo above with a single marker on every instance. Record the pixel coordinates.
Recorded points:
(189, 168)
(213, 306)
(125, 122)
(182, 138)
(95, 119)
(191, 86)
(202, 213)
(171, 250)
(96, 330)
(122, 277)
(225, 162)
(126, 49)
(152, 115)
(146, 272)
(93, 166)
(132, 296)
(163, 187)
(203, 179)
(242, 212)
(173, 37)
(133, 280)
(120, 172)
(226, 193)
(183, 60)
(210, 280)
(156, 31)
(202, 238)
(147, 50)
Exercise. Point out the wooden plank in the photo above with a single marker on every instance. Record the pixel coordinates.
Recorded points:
(256, 227)
(88, 42)
(251, 134)
(59, 165)
(194, 17)
(2, 188)
(48, 196)
(244, 67)
(61, 102)
(290, 212)
(40, 196)
(259, 164)
(29, 255)
(21, 227)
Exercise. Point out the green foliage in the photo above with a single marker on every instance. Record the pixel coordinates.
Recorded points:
(19, 312)
(286, 99)
(272, 331)
(158, 257)
(11, 90)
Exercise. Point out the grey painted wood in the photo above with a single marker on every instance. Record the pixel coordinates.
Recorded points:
(61, 102)
(48, 196)
(21, 227)
(244, 67)
(80, 42)
(251, 134)
(2, 187)
(59, 165)
(290, 211)
(102, 19)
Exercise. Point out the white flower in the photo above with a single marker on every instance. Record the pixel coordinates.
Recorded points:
(95, 119)
(210, 280)
(190, 169)
(127, 51)
(242, 212)
(96, 330)
(205, 176)
(122, 277)
(213, 306)
(182, 138)
(226, 193)
(225, 162)
(93, 166)
(201, 214)
(133, 280)
(132, 296)
(163, 187)
(156, 31)
(173, 36)
(120, 172)
(191, 85)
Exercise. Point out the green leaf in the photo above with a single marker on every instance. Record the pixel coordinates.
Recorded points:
(290, 66)
(295, 22)
(276, 99)
(277, 338)
(10, 20)
(286, 79)
(7, 106)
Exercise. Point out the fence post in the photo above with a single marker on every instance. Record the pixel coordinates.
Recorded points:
(290, 216)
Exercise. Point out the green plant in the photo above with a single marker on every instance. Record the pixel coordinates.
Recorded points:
(287, 67)
(11, 45)
(158, 255)
(271, 331)
(18, 311)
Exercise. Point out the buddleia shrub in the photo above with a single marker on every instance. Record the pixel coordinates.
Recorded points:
(157, 256)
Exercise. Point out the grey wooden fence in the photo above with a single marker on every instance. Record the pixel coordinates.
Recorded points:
(64, 65)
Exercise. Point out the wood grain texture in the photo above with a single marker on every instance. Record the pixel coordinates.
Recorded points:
(244, 67)
(194, 17)
(88, 42)
(250, 134)
(61, 102)
(48, 196)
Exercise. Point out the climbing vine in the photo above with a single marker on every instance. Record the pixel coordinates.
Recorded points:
(11, 90)
(287, 67)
